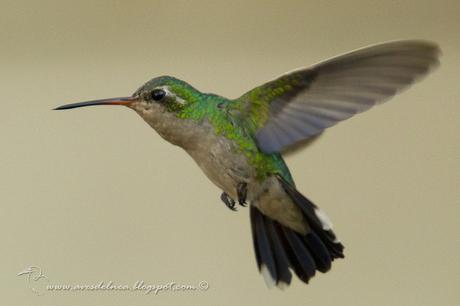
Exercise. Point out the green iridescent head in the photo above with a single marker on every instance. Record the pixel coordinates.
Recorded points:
(166, 93)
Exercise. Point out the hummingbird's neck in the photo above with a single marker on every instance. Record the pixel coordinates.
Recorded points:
(182, 132)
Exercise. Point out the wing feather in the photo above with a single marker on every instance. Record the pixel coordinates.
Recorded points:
(303, 103)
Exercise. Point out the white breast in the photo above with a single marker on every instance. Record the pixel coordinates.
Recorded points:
(221, 160)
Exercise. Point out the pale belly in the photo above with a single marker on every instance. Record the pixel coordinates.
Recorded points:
(225, 165)
(226, 168)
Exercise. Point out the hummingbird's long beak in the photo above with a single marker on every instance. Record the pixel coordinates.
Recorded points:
(126, 101)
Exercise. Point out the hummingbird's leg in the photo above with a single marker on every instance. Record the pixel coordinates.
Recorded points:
(242, 191)
(229, 202)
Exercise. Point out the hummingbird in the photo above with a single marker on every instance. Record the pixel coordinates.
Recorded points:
(239, 143)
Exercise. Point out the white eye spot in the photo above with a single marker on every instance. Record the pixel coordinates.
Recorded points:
(180, 100)
(170, 93)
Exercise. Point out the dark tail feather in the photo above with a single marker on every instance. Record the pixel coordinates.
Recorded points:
(279, 249)
(318, 226)
(263, 245)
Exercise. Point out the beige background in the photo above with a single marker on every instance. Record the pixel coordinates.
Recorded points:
(95, 195)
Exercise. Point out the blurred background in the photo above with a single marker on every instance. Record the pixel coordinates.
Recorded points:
(95, 195)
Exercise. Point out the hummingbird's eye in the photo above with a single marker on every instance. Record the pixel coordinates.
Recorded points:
(158, 94)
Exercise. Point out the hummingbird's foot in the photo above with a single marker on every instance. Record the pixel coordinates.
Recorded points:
(229, 202)
(242, 191)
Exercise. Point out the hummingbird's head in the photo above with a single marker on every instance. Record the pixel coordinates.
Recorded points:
(163, 95)
(159, 95)
(160, 102)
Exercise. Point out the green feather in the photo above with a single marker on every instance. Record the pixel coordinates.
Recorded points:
(226, 116)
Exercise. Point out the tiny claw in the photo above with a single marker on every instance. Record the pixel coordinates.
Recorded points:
(242, 191)
(229, 202)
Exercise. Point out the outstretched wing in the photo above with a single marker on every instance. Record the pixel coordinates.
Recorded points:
(303, 103)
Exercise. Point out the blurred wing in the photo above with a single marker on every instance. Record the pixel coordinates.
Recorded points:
(303, 103)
